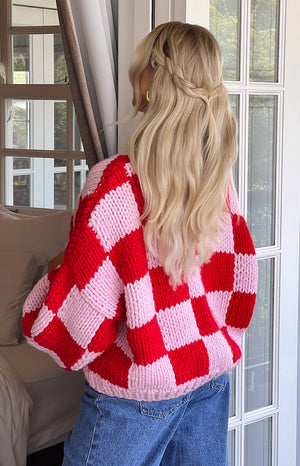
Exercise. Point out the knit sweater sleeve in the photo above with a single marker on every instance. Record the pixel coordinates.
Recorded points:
(73, 312)
(244, 278)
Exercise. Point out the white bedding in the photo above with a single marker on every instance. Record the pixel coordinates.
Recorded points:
(55, 396)
(14, 429)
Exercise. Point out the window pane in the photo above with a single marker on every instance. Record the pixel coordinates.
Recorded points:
(21, 163)
(258, 443)
(38, 59)
(18, 124)
(36, 124)
(231, 448)
(60, 125)
(34, 13)
(232, 398)
(81, 171)
(259, 342)
(60, 191)
(264, 32)
(21, 189)
(224, 23)
(77, 143)
(262, 168)
(36, 182)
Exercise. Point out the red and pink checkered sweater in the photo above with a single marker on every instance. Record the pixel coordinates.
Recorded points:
(110, 310)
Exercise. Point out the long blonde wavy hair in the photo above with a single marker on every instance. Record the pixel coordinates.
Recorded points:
(184, 146)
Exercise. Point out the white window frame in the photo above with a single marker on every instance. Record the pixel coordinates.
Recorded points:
(35, 92)
(135, 22)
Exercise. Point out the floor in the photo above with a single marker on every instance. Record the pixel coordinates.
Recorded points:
(52, 456)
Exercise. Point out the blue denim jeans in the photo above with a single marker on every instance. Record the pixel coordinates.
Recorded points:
(188, 430)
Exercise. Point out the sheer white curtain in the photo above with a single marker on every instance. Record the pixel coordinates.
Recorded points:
(90, 43)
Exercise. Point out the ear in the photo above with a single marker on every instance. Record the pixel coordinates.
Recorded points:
(146, 78)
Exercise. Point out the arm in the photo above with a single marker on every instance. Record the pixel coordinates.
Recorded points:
(72, 312)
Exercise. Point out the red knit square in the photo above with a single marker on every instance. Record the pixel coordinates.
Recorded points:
(104, 337)
(129, 257)
(86, 257)
(242, 240)
(115, 172)
(205, 321)
(189, 361)
(113, 365)
(240, 309)
(60, 288)
(235, 349)
(28, 321)
(164, 295)
(56, 338)
(212, 273)
(146, 343)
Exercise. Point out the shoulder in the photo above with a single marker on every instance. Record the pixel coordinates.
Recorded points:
(107, 173)
(111, 182)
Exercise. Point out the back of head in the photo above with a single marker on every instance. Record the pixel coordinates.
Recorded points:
(184, 146)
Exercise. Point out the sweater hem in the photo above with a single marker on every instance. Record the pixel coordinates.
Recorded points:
(105, 387)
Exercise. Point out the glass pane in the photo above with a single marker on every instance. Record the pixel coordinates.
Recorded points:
(77, 143)
(234, 102)
(60, 190)
(264, 33)
(81, 171)
(262, 168)
(231, 448)
(36, 182)
(21, 190)
(224, 22)
(60, 163)
(232, 398)
(21, 163)
(34, 13)
(36, 124)
(258, 443)
(38, 59)
(60, 125)
(259, 342)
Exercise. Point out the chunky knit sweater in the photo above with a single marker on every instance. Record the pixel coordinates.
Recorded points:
(110, 310)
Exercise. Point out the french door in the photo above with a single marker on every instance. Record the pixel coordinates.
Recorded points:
(260, 41)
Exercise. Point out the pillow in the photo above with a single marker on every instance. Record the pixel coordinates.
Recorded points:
(18, 273)
(43, 236)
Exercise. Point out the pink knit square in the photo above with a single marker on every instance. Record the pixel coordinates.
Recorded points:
(80, 319)
(158, 374)
(233, 201)
(95, 175)
(42, 321)
(121, 340)
(85, 359)
(139, 299)
(245, 273)
(178, 325)
(219, 353)
(104, 289)
(129, 169)
(195, 284)
(103, 219)
(227, 239)
(37, 295)
(236, 334)
(152, 260)
(218, 302)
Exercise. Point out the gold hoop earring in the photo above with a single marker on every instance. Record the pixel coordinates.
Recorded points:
(147, 96)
